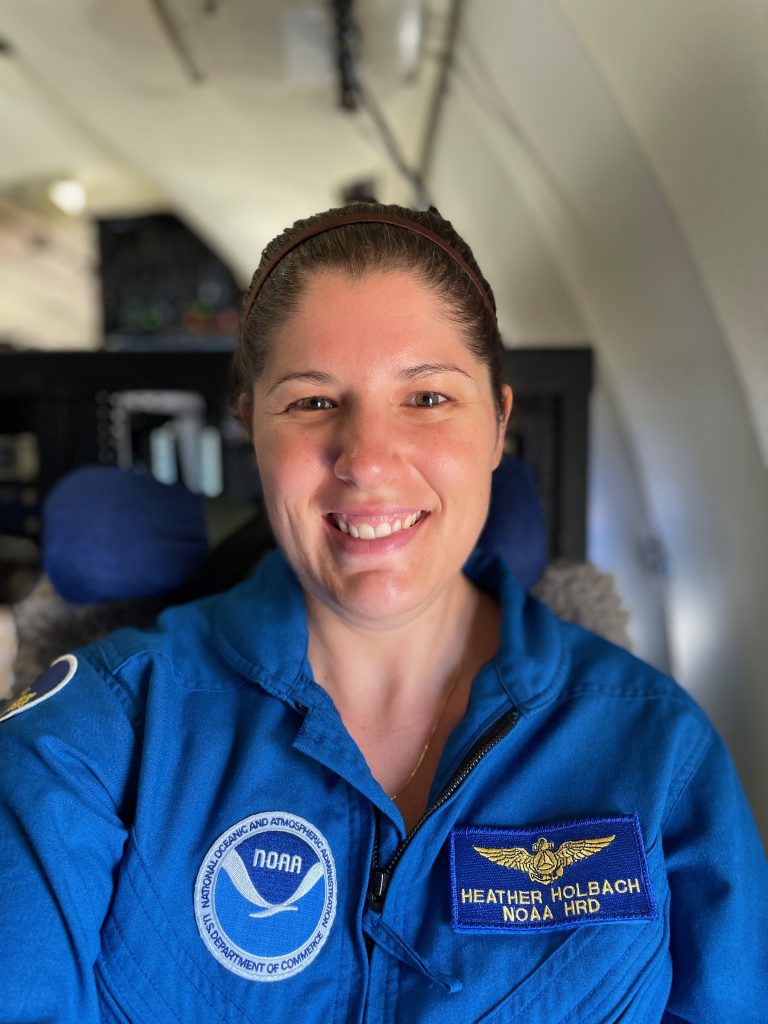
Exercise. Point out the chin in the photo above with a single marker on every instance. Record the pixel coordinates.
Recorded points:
(376, 597)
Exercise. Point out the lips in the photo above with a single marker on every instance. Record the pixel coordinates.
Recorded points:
(361, 527)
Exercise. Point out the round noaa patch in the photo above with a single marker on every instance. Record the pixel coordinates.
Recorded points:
(265, 896)
(55, 678)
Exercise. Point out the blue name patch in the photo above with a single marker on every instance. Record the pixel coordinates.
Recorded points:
(556, 876)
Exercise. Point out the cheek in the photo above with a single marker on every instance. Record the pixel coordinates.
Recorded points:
(468, 453)
(287, 468)
(280, 451)
(460, 474)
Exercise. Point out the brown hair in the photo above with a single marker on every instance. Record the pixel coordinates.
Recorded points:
(358, 239)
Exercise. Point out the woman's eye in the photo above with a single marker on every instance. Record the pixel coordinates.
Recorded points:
(314, 403)
(427, 399)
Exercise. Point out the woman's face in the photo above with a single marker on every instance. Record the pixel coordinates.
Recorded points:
(376, 432)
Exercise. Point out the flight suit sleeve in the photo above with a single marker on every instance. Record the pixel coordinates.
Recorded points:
(718, 881)
(65, 771)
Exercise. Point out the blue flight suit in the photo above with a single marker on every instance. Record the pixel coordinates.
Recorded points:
(188, 833)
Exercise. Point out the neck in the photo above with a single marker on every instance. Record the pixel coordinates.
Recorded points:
(396, 665)
(401, 689)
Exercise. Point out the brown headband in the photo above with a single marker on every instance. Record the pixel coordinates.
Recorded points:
(341, 220)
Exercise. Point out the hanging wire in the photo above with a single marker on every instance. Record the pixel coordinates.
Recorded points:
(446, 59)
(354, 96)
(177, 42)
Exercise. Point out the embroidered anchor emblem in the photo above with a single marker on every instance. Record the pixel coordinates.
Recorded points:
(241, 880)
(545, 864)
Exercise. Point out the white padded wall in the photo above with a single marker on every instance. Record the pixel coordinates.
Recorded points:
(576, 176)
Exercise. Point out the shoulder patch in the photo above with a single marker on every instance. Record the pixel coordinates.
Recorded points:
(55, 678)
(589, 871)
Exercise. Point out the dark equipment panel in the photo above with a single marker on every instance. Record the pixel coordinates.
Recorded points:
(162, 288)
(61, 410)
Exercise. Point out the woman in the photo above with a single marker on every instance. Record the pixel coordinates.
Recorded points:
(374, 782)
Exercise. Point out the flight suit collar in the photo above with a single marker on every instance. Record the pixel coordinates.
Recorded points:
(260, 628)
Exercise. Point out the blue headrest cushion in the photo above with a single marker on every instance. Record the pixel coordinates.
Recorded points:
(515, 528)
(111, 535)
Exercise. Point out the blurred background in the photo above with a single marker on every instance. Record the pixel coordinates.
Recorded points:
(608, 162)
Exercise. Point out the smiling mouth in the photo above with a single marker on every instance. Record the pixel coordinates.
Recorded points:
(374, 529)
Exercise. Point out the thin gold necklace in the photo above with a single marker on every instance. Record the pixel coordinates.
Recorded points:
(446, 699)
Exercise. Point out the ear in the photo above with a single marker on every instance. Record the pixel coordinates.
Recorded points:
(507, 397)
(245, 412)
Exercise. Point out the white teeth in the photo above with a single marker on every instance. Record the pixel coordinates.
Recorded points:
(366, 531)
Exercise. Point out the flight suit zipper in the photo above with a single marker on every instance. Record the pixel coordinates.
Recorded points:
(380, 877)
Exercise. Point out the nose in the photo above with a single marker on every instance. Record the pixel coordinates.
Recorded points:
(367, 453)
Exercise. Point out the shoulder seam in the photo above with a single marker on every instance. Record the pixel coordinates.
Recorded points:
(112, 681)
(688, 770)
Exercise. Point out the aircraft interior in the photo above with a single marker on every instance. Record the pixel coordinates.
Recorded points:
(608, 164)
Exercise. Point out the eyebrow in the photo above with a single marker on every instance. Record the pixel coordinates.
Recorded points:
(426, 369)
(310, 376)
(410, 373)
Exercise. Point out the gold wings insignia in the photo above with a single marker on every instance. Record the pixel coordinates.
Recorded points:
(546, 863)
(579, 849)
(515, 857)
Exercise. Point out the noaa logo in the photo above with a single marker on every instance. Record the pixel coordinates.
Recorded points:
(265, 896)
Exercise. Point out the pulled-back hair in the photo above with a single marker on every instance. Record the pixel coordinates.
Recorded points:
(337, 241)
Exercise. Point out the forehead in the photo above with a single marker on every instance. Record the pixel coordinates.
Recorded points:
(387, 314)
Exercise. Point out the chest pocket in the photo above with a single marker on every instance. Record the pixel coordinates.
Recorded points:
(595, 974)
(154, 965)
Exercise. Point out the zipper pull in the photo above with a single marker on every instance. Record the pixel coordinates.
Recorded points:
(377, 888)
